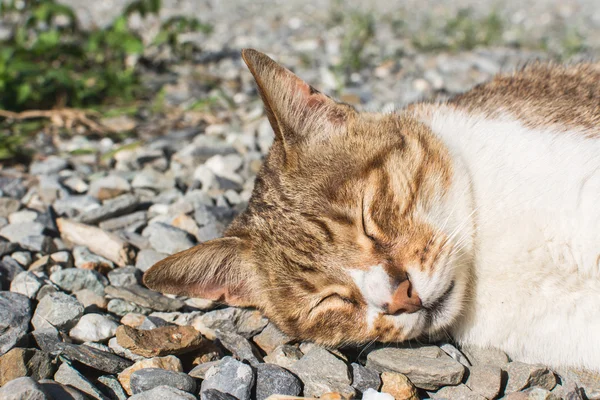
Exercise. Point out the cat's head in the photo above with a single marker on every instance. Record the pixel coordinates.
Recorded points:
(358, 227)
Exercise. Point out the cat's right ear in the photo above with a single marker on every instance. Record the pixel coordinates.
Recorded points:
(217, 270)
(294, 108)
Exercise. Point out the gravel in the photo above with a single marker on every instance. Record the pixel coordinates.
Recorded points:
(78, 230)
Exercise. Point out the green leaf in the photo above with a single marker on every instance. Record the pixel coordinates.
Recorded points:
(23, 93)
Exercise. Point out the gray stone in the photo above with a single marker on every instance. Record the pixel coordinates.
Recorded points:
(91, 301)
(427, 368)
(240, 347)
(364, 378)
(284, 355)
(26, 283)
(20, 362)
(110, 386)
(57, 310)
(272, 379)
(125, 276)
(67, 375)
(111, 208)
(47, 339)
(521, 376)
(9, 268)
(322, 372)
(15, 314)
(460, 392)
(247, 323)
(147, 258)
(50, 166)
(535, 393)
(166, 238)
(74, 279)
(125, 221)
(22, 216)
(38, 243)
(483, 356)
(97, 359)
(76, 184)
(22, 257)
(569, 390)
(230, 376)
(63, 392)
(123, 307)
(8, 206)
(485, 380)
(163, 393)
(151, 179)
(18, 232)
(148, 378)
(455, 354)
(200, 370)
(23, 388)
(108, 187)
(94, 328)
(73, 205)
(145, 297)
(85, 259)
(122, 351)
(45, 290)
(587, 380)
(12, 187)
(7, 247)
(213, 394)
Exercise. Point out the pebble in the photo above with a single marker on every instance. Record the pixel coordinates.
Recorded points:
(455, 354)
(163, 393)
(59, 391)
(247, 323)
(24, 388)
(426, 369)
(74, 279)
(240, 347)
(148, 378)
(8, 206)
(364, 378)
(536, 393)
(111, 208)
(147, 258)
(160, 341)
(399, 386)
(108, 187)
(111, 387)
(167, 239)
(144, 297)
(122, 351)
(322, 372)
(521, 376)
(122, 307)
(26, 283)
(459, 392)
(67, 375)
(22, 257)
(372, 394)
(170, 363)
(57, 310)
(22, 216)
(126, 276)
(90, 300)
(20, 362)
(128, 221)
(485, 380)
(483, 356)
(15, 314)
(20, 231)
(285, 356)
(94, 328)
(50, 166)
(213, 394)
(272, 379)
(95, 358)
(230, 376)
(85, 259)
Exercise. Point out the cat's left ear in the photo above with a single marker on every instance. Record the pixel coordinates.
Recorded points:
(218, 270)
(294, 108)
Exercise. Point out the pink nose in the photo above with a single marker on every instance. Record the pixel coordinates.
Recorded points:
(405, 300)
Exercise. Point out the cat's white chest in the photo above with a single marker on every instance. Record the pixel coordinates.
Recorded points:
(537, 216)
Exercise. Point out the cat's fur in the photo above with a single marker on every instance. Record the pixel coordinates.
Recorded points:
(479, 217)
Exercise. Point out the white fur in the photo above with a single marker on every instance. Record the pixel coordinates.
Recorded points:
(536, 209)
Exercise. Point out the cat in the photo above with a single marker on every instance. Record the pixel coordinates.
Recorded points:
(478, 217)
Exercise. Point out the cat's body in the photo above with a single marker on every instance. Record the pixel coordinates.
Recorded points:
(479, 217)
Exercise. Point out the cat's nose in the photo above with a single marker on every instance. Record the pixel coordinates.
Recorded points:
(405, 300)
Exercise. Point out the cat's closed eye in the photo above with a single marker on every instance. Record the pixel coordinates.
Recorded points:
(332, 300)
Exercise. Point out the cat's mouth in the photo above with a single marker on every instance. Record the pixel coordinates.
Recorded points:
(433, 310)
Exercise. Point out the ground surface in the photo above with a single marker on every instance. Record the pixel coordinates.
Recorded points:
(80, 224)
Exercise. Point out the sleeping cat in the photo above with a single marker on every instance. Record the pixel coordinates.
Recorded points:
(478, 217)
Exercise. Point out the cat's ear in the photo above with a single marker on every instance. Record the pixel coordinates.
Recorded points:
(215, 270)
(294, 108)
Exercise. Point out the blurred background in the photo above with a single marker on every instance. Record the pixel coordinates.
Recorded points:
(156, 91)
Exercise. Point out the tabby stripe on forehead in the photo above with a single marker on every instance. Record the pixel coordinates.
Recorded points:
(322, 225)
